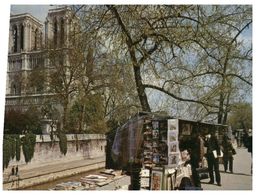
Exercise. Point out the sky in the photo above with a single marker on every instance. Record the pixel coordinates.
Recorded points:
(38, 11)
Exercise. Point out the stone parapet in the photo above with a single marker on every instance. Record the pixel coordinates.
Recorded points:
(85, 146)
(71, 137)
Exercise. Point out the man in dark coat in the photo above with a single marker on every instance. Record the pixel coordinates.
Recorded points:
(213, 163)
(196, 158)
(193, 145)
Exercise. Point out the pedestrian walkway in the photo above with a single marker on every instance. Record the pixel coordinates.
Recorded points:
(241, 179)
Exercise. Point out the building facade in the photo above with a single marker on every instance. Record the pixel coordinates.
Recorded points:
(29, 42)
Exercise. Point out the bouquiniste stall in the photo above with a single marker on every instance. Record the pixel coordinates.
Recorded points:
(149, 147)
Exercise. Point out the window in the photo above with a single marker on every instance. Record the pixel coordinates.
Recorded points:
(22, 36)
(62, 32)
(36, 39)
(55, 32)
(15, 39)
(13, 89)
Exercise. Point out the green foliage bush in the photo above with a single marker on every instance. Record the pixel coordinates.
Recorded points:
(6, 151)
(28, 146)
(11, 149)
(18, 148)
(62, 142)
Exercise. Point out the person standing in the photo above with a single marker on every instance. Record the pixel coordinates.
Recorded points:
(250, 149)
(228, 151)
(193, 146)
(17, 170)
(213, 163)
(13, 171)
(248, 144)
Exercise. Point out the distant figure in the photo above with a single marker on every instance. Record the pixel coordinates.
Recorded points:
(238, 140)
(248, 142)
(13, 171)
(213, 163)
(228, 151)
(17, 170)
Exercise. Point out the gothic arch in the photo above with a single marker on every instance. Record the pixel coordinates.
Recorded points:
(55, 32)
(36, 39)
(62, 31)
(14, 90)
(21, 36)
(15, 38)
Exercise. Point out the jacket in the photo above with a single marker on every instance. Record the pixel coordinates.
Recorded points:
(212, 144)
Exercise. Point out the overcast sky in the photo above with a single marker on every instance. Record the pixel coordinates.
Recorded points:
(38, 11)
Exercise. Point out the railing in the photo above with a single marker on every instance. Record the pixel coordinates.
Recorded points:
(26, 100)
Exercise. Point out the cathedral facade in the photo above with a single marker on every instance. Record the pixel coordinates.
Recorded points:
(29, 41)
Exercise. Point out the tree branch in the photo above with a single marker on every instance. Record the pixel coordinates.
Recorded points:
(176, 97)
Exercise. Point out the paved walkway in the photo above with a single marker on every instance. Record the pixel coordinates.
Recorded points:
(241, 179)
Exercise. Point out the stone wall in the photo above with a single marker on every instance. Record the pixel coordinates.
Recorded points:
(85, 146)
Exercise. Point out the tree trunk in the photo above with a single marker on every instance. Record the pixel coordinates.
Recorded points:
(81, 122)
(141, 90)
(220, 113)
(65, 113)
(226, 109)
(136, 65)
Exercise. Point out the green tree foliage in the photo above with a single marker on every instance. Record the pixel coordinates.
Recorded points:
(92, 112)
(14, 122)
(19, 122)
(33, 120)
(241, 116)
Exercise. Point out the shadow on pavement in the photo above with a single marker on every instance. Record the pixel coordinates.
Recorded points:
(203, 182)
(235, 173)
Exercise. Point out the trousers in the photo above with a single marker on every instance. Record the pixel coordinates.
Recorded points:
(213, 165)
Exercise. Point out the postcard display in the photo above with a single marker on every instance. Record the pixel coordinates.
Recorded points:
(161, 152)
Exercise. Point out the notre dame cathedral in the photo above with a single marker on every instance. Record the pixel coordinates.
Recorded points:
(28, 42)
